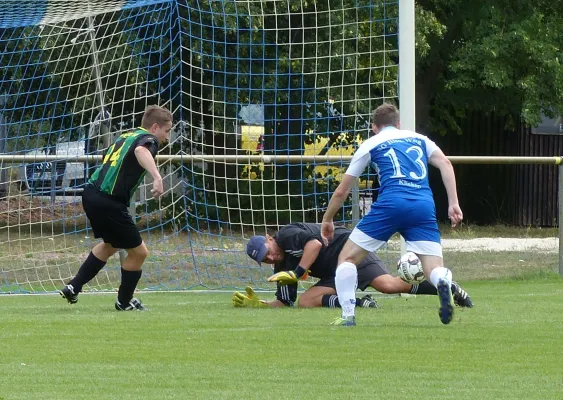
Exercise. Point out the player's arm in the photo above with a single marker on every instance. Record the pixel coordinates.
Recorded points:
(336, 201)
(294, 238)
(310, 253)
(249, 299)
(339, 196)
(309, 256)
(146, 160)
(285, 297)
(357, 166)
(440, 161)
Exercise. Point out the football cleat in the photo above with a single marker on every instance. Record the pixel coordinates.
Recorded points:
(446, 301)
(133, 305)
(348, 321)
(68, 293)
(461, 298)
(367, 302)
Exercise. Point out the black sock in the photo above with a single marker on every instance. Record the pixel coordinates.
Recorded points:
(331, 301)
(129, 280)
(424, 287)
(88, 270)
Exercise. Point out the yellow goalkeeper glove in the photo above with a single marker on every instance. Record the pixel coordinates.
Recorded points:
(284, 278)
(250, 299)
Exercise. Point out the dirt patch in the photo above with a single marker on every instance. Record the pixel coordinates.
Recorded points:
(549, 245)
(19, 210)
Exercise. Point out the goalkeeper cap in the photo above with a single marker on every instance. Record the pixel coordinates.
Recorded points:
(256, 248)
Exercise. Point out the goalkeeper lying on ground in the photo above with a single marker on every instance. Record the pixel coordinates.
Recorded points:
(297, 250)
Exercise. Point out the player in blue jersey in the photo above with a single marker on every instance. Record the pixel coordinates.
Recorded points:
(405, 204)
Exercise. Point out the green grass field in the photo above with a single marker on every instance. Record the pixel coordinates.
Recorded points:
(196, 346)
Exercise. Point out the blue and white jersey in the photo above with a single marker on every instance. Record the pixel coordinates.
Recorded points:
(400, 159)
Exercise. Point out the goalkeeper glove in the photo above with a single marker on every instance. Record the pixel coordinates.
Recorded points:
(284, 278)
(250, 299)
(289, 277)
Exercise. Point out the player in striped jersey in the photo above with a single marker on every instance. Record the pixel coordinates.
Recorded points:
(297, 249)
(106, 199)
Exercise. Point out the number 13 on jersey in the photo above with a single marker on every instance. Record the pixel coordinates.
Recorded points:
(416, 154)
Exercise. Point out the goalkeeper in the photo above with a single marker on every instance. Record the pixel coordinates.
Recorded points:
(297, 251)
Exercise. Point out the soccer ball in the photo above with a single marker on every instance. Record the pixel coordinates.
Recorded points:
(409, 268)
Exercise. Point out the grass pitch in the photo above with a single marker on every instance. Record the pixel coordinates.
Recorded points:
(196, 346)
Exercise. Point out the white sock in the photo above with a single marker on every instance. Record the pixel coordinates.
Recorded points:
(440, 273)
(346, 281)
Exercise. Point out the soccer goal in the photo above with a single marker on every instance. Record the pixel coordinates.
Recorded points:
(270, 99)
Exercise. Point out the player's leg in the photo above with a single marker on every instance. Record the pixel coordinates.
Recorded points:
(440, 277)
(123, 234)
(128, 237)
(461, 297)
(422, 237)
(95, 261)
(437, 270)
(368, 236)
(389, 284)
(93, 264)
(437, 274)
(392, 285)
(323, 294)
(100, 213)
(430, 255)
(131, 272)
(315, 295)
(372, 272)
(346, 281)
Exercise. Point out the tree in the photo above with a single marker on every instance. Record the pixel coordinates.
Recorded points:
(317, 67)
(493, 56)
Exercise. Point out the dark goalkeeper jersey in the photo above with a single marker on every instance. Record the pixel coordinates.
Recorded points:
(292, 239)
(120, 173)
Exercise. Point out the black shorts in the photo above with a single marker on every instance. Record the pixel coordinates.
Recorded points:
(369, 269)
(110, 219)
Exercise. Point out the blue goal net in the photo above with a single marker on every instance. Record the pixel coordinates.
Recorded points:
(269, 98)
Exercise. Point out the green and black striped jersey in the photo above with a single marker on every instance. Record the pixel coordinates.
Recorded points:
(120, 173)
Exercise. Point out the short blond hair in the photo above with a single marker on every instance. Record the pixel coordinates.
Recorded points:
(386, 115)
(155, 115)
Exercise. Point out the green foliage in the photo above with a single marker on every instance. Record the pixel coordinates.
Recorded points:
(427, 28)
(497, 56)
